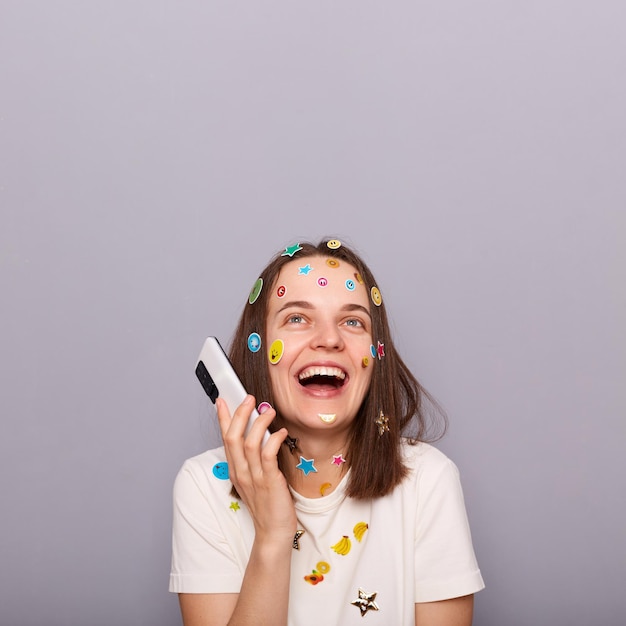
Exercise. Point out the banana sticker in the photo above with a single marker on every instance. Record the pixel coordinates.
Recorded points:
(342, 546)
(359, 530)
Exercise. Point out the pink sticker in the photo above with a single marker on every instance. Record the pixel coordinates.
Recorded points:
(322, 282)
(264, 406)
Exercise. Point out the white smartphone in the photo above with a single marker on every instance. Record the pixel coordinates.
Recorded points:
(219, 379)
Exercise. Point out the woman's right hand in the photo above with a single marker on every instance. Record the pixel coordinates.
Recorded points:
(253, 470)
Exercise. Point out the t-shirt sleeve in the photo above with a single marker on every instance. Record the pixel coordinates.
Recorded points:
(445, 562)
(202, 559)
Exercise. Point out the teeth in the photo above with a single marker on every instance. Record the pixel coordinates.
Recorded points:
(335, 372)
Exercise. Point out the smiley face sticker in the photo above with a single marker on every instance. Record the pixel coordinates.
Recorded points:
(275, 352)
(254, 342)
(333, 244)
(377, 299)
(280, 292)
(350, 286)
(220, 471)
(322, 282)
(256, 291)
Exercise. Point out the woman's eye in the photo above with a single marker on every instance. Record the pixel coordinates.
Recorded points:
(295, 319)
(353, 322)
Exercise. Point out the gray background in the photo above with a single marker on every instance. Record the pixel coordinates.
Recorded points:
(155, 155)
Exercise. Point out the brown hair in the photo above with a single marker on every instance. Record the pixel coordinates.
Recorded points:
(394, 391)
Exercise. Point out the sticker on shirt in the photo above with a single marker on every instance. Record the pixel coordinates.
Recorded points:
(317, 575)
(220, 470)
(342, 546)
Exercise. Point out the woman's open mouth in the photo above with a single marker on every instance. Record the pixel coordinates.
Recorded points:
(322, 378)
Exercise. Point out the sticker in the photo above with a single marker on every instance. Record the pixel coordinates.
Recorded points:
(292, 443)
(383, 424)
(256, 291)
(327, 418)
(322, 567)
(342, 546)
(234, 506)
(338, 460)
(275, 353)
(350, 286)
(380, 350)
(377, 299)
(306, 466)
(264, 406)
(324, 487)
(359, 530)
(296, 539)
(305, 270)
(254, 342)
(365, 602)
(365, 361)
(220, 470)
(314, 577)
(322, 282)
(333, 244)
(280, 292)
(359, 278)
(291, 250)
(332, 263)
(373, 351)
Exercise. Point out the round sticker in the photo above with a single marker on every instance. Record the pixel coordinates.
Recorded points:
(359, 278)
(254, 342)
(220, 470)
(280, 292)
(332, 263)
(256, 291)
(365, 362)
(264, 406)
(275, 353)
(377, 299)
(373, 351)
(333, 244)
(350, 286)
(322, 282)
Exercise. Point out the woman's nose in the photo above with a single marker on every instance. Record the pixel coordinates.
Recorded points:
(327, 336)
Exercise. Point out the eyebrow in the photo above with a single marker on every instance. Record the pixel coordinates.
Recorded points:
(303, 304)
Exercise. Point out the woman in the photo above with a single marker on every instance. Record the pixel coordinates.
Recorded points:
(339, 516)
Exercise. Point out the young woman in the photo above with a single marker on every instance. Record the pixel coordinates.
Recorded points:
(345, 513)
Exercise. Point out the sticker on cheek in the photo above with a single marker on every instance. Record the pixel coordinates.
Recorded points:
(322, 282)
(254, 342)
(365, 361)
(281, 291)
(373, 351)
(377, 299)
(275, 352)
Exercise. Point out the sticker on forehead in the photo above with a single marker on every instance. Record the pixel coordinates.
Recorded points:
(322, 282)
(291, 250)
(254, 342)
(332, 263)
(350, 286)
(305, 270)
(256, 291)
(377, 299)
(280, 292)
(275, 352)
(359, 278)
(333, 244)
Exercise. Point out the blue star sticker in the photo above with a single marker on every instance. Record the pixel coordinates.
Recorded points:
(291, 250)
(305, 270)
(306, 465)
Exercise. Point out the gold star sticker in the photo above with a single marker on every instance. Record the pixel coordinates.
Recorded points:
(365, 602)
(234, 506)
(383, 424)
(296, 538)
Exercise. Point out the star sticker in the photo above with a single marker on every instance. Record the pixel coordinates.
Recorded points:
(306, 465)
(366, 602)
(380, 350)
(291, 250)
(296, 539)
(234, 506)
(292, 442)
(383, 423)
(305, 270)
(338, 460)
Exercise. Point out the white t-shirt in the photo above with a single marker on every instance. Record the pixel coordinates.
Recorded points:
(413, 545)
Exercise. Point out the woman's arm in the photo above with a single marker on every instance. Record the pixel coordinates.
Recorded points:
(253, 469)
(453, 612)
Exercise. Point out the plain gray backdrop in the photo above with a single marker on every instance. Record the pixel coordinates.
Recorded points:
(155, 155)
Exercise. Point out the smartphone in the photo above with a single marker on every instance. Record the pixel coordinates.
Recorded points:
(219, 379)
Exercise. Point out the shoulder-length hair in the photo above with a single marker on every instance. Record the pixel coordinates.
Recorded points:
(394, 393)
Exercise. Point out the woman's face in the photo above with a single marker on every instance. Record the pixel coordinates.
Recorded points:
(318, 343)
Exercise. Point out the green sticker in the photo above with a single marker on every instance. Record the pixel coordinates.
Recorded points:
(256, 291)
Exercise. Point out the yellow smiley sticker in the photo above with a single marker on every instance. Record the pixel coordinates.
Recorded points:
(333, 244)
(332, 263)
(275, 352)
(377, 299)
